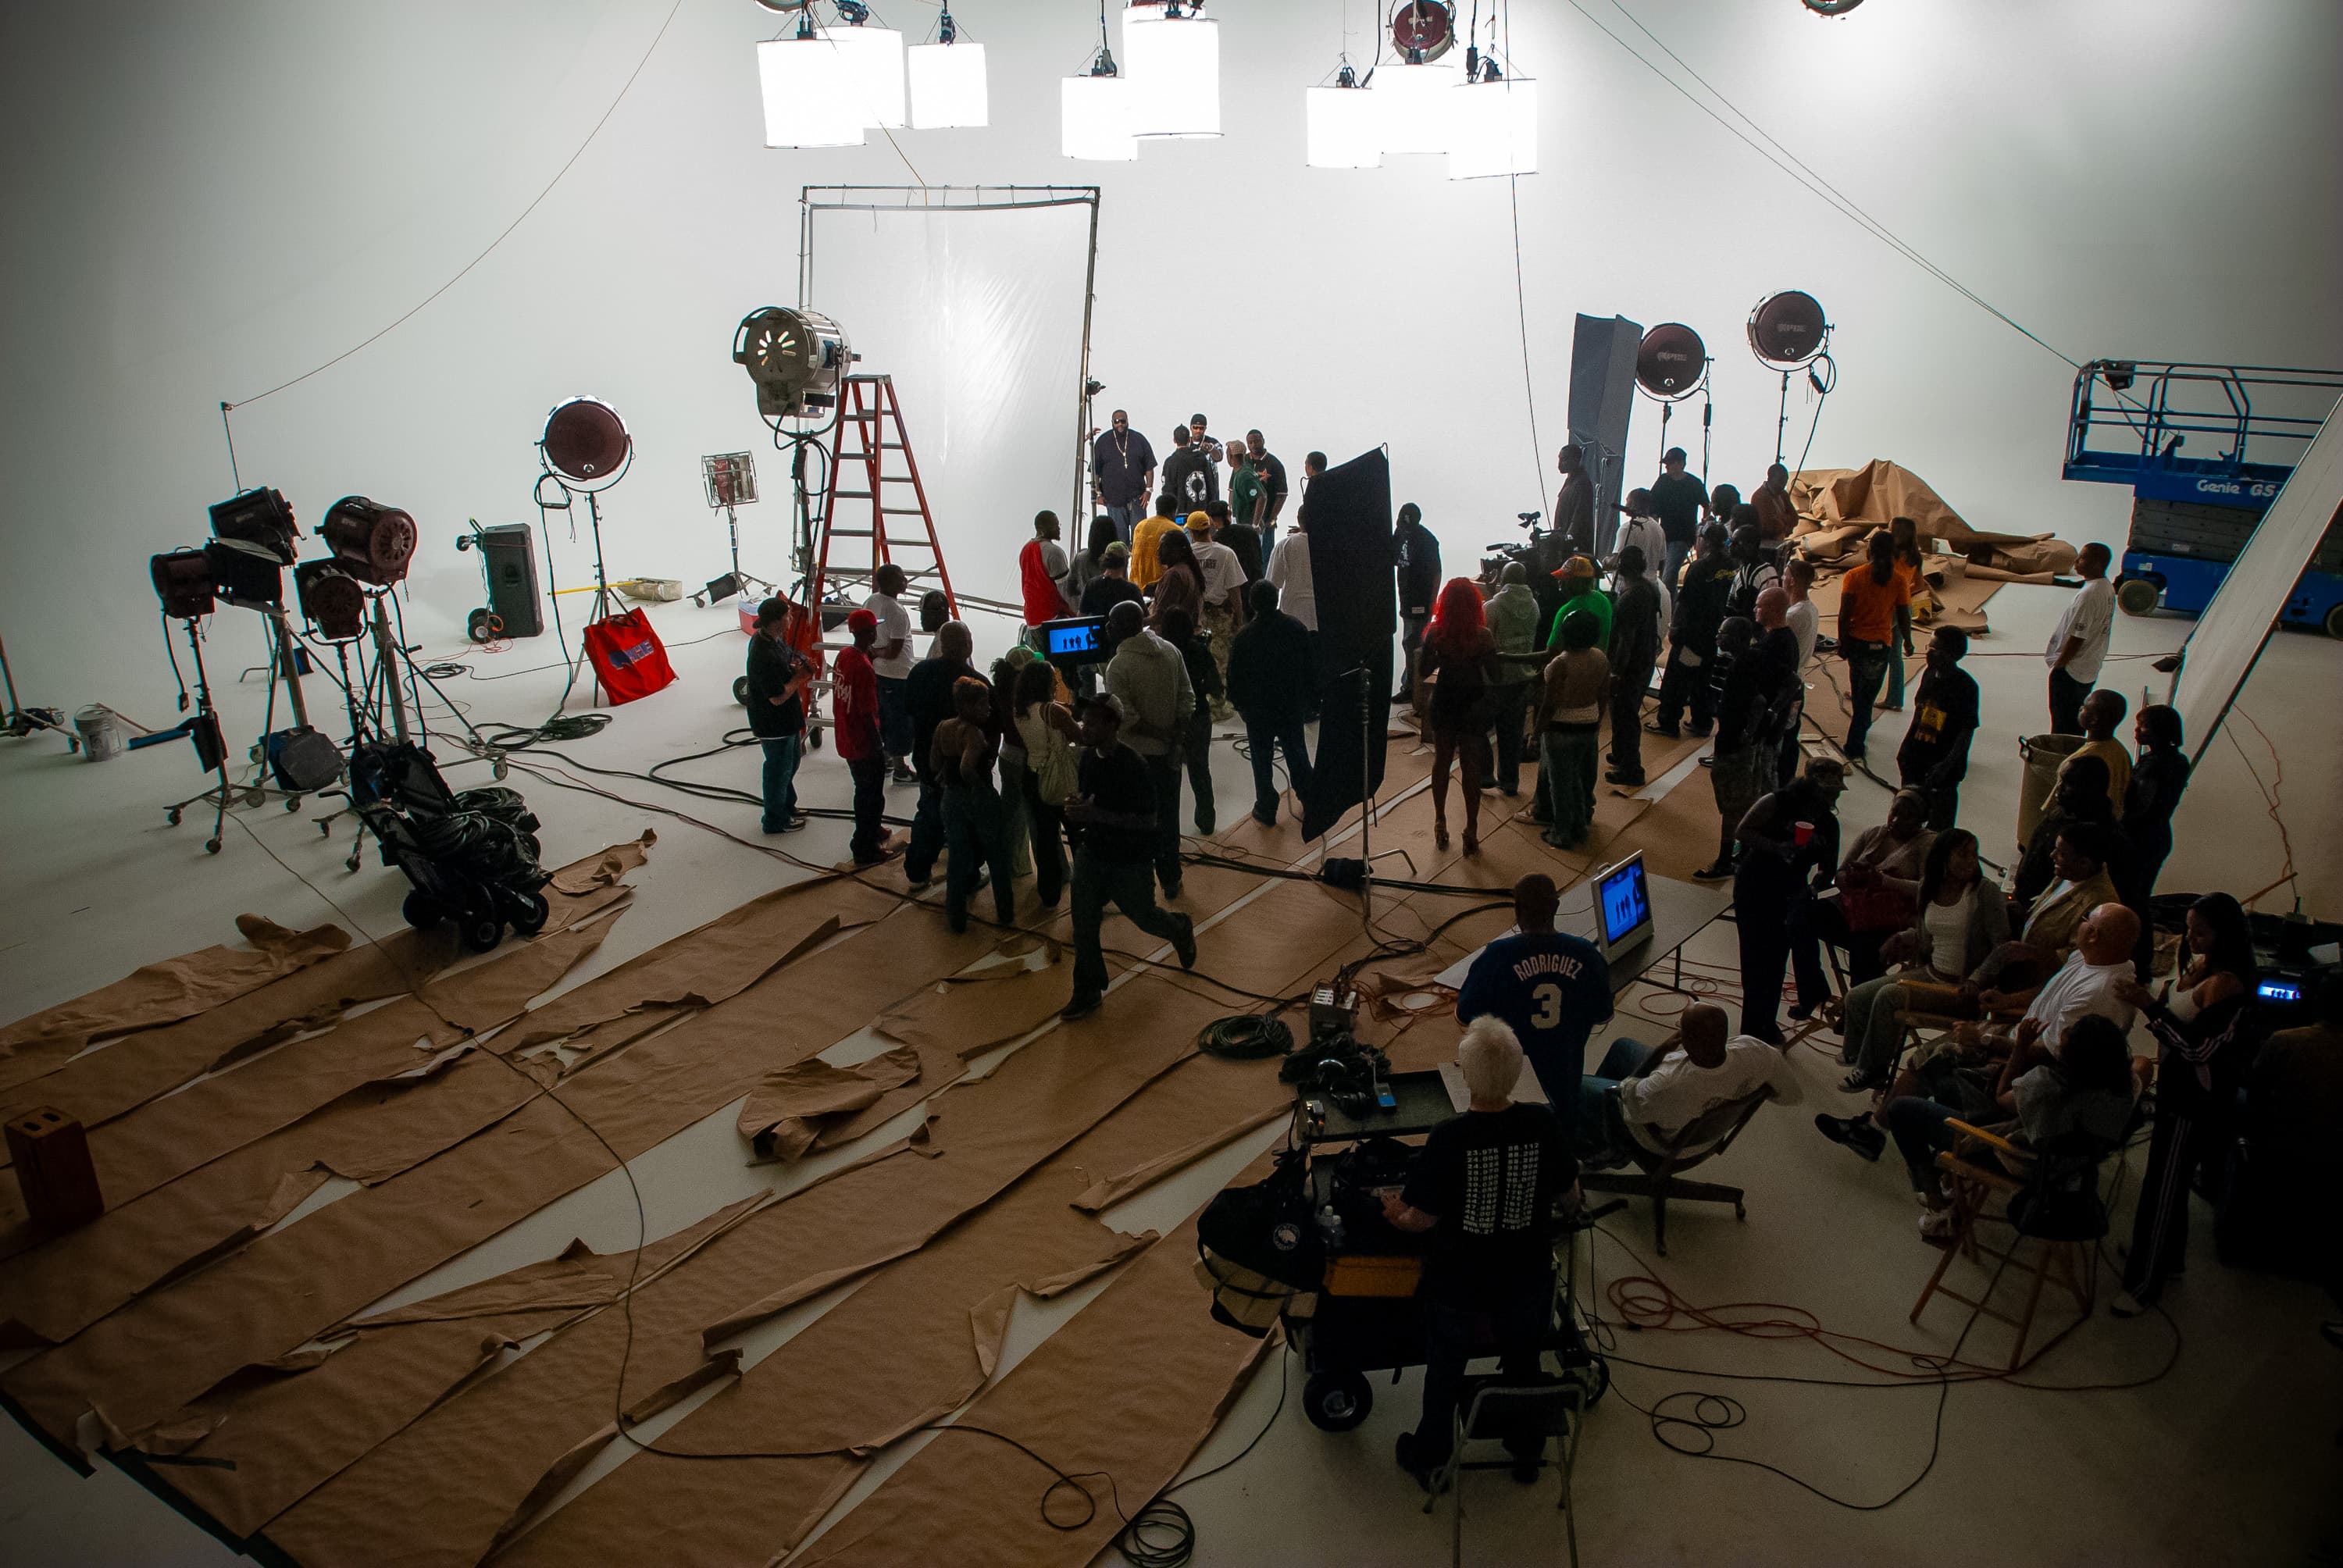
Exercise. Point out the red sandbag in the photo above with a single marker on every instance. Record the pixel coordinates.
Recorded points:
(628, 657)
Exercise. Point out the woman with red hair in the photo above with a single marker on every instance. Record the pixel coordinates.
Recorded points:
(1459, 658)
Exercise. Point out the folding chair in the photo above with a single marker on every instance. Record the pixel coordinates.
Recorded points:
(1704, 1137)
(1494, 1411)
(2050, 1197)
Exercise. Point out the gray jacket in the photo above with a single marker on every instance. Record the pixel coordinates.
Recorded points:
(1150, 679)
(1988, 929)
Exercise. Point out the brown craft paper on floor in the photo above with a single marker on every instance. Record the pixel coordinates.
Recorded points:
(160, 993)
(128, 1073)
(484, 1455)
(820, 1391)
(171, 1344)
(1131, 1388)
(970, 1014)
(785, 1115)
(277, 1437)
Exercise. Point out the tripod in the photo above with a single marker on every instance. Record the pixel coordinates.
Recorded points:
(201, 728)
(22, 721)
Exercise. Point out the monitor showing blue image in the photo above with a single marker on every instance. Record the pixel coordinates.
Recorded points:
(1079, 640)
(1623, 903)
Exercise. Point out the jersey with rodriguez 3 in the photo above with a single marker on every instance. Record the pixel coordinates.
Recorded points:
(1553, 989)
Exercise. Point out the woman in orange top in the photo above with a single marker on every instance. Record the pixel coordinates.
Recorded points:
(1907, 535)
(1868, 599)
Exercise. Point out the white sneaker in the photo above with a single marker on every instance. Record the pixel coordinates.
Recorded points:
(1938, 1224)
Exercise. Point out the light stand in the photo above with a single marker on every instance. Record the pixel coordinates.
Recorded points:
(729, 481)
(586, 448)
(203, 730)
(1782, 420)
(22, 721)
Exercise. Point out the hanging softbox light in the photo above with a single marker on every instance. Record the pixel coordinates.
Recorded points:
(1343, 132)
(796, 358)
(872, 58)
(1171, 56)
(1787, 330)
(370, 541)
(1494, 129)
(808, 99)
(1094, 119)
(1671, 363)
(586, 445)
(1420, 106)
(948, 85)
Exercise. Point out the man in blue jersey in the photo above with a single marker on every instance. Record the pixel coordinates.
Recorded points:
(1552, 988)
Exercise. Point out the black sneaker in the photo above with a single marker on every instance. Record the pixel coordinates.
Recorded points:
(1665, 731)
(1861, 1083)
(1715, 871)
(1631, 780)
(1082, 1006)
(1526, 1467)
(1412, 1460)
(1267, 821)
(1856, 1132)
(1184, 942)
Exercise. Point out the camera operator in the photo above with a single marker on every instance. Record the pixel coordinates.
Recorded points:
(1485, 1187)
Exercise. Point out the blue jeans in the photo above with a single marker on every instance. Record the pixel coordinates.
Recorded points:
(1591, 1129)
(1130, 886)
(894, 718)
(1126, 518)
(1264, 738)
(1163, 771)
(1566, 780)
(1902, 635)
(782, 756)
(1678, 550)
(1866, 666)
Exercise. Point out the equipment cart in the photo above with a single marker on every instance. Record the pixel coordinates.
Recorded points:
(1364, 1316)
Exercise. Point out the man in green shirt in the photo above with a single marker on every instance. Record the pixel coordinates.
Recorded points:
(1580, 591)
(1248, 497)
(1513, 615)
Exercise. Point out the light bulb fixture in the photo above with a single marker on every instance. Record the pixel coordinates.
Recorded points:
(1173, 53)
(806, 102)
(947, 83)
(1094, 109)
(1493, 128)
(1343, 129)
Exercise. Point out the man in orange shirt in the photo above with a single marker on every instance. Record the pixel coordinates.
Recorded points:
(1869, 596)
(1146, 539)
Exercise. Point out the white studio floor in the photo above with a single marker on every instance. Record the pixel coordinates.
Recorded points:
(2230, 1457)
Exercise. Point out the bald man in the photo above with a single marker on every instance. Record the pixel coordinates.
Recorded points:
(1663, 1088)
(1551, 987)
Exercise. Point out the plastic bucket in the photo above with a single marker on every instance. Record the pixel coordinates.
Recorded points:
(100, 736)
(2043, 755)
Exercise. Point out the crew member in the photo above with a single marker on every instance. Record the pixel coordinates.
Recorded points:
(1776, 514)
(1111, 818)
(854, 712)
(1486, 1186)
(778, 675)
(1680, 501)
(1416, 568)
(1574, 510)
(1041, 568)
(1551, 987)
(2078, 643)
(891, 661)
(1189, 475)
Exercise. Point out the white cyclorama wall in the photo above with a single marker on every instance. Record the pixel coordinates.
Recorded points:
(204, 201)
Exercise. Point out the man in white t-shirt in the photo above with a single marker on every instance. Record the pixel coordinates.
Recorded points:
(892, 661)
(2078, 643)
(1662, 1090)
(1289, 569)
(2086, 983)
(1804, 621)
(1224, 582)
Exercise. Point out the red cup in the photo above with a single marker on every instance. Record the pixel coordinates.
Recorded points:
(1801, 834)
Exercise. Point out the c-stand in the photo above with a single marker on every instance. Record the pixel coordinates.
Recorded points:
(203, 730)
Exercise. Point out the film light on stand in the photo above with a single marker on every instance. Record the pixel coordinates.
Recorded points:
(872, 63)
(806, 96)
(1420, 104)
(1343, 129)
(948, 86)
(1494, 129)
(1173, 55)
(1095, 119)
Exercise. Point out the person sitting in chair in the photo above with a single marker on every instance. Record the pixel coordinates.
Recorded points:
(1662, 1092)
(1485, 1187)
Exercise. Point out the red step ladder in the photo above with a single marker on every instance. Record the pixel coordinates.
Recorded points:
(870, 427)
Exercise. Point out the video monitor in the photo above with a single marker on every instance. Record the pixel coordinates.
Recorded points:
(1623, 905)
(1076, 641)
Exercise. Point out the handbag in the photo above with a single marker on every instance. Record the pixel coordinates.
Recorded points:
(628, 657)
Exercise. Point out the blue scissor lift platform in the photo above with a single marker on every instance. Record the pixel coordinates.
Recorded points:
(2131, 422)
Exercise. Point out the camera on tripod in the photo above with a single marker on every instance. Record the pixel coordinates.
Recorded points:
(1504, 552)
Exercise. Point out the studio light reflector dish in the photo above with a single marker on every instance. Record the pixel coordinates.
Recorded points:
(1495, 128)
(873, 62)
(1343, 132)
(1420, 106)
(1173, 66)
(807, 103)
(1094, 119)
(947, 89)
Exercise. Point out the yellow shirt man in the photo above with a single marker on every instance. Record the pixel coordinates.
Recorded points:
(1146, 566)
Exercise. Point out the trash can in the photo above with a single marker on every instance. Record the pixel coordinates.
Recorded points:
(100, 736)
(2043, 755)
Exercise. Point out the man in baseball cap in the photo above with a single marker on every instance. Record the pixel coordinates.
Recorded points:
(1580, 591)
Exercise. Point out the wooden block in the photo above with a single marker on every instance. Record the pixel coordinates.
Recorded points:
(50, 1153)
